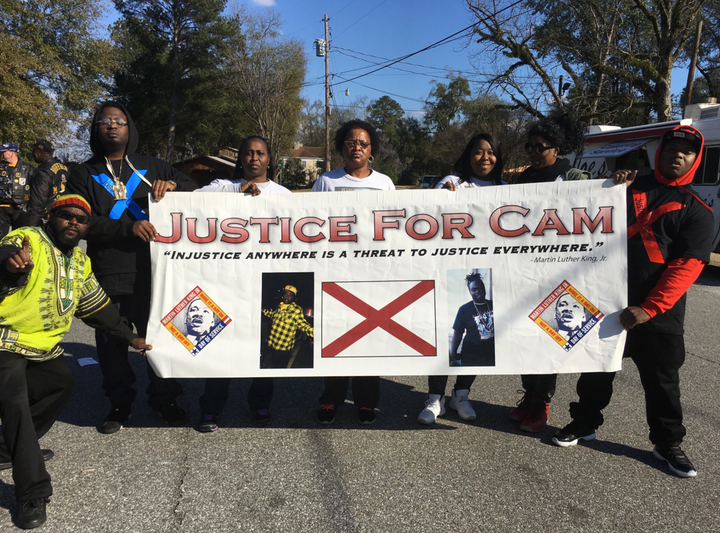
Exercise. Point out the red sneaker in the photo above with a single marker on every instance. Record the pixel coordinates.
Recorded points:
(522, 410)
(538, 417)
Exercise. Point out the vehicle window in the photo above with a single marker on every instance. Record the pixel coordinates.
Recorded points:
(707, 173)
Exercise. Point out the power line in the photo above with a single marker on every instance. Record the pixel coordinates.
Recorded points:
(445, 40)
(365, 15)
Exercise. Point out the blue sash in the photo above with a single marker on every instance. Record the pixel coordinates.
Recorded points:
(106, 182)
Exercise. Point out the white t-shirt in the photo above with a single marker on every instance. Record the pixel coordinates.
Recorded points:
(469, 184)
(221, 185)
(339, 180)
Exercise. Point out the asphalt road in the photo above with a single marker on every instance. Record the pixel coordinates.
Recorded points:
(394, 476)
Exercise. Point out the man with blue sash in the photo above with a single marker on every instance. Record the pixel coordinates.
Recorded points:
(116, 181)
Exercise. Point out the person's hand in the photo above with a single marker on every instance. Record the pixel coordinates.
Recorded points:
(632, 316)
(160, 187)
(144, 230)
(139, 344)
(449, 185)
(250, 188)
(20, 261)
(623, 176)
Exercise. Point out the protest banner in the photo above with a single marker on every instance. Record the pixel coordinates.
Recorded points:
(379, 279)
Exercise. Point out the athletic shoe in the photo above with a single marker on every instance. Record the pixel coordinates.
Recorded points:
(32, 513)
(572, 433)
(522, 410)
(173, 414)
(262, 417)
(366, 416)
(434, 407)
(676, 459)
(117, 418)
(208, 423)
(326, 414)
(459, 402)
(46, 455)
(537, 419)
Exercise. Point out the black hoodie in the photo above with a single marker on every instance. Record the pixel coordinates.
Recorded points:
(120, 260)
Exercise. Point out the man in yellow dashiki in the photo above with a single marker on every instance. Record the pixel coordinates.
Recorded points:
(45, 281)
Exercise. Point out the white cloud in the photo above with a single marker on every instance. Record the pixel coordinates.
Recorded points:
(266, 3)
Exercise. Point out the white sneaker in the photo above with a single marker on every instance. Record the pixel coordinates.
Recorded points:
(434, 407)
(459, 402)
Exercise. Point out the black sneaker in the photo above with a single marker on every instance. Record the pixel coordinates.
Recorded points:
(676, 459)
(262, 417)
(208, 424)
(32, 513)
(46, 455)
(326, 414)
(173, 414)
(115, 420)
(366, 416)
(572, 433)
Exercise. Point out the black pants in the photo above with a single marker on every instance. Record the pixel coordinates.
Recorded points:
(215, 397)
(12, 217)
(366, 391)
(437, 384)
(658, 358)
(118, 375)
(540, 385)
(32, 396)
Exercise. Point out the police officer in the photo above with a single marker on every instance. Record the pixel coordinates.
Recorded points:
(47, 183)
(15, 176)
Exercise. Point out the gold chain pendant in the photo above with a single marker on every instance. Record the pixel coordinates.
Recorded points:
(119, 190)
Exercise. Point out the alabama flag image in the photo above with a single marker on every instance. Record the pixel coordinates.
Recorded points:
(378, 319)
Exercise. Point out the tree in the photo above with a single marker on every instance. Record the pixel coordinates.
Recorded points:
(618, 53)
(311, 129)
(294, 176)
(171, 53)
(446, 102)
(48, 75)
(265, 73)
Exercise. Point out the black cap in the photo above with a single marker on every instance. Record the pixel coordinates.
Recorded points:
(44, 145)
(684, 133)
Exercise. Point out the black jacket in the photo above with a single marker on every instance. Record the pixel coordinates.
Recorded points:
(49, 181)
(683, 229)
(15, 182)
(121, 261)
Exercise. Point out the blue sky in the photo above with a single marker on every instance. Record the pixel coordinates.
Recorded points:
(369, 32)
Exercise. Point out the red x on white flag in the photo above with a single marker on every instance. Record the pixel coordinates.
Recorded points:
(378, 319)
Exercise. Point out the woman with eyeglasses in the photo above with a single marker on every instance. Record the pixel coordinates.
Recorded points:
(480, 165)
(559, 134)
(357, 141)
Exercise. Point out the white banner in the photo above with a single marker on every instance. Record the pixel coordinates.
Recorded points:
(517, 279)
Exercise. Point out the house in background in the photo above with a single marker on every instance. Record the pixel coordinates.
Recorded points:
(311, 158)
(203, 169)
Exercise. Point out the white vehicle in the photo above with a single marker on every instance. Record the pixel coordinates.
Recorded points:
(609, 148)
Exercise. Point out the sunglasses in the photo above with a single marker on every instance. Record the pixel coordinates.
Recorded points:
(69, 215)
(537, 148)
(107, 122)
(352, 144)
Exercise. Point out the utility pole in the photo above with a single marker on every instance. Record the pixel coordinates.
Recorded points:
(327, 96)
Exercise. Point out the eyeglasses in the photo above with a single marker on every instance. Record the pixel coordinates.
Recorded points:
(352, 144)
(537, 148)
(69, 215)
(107, 122)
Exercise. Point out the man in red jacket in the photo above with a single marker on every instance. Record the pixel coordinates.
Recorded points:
(669, 243)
